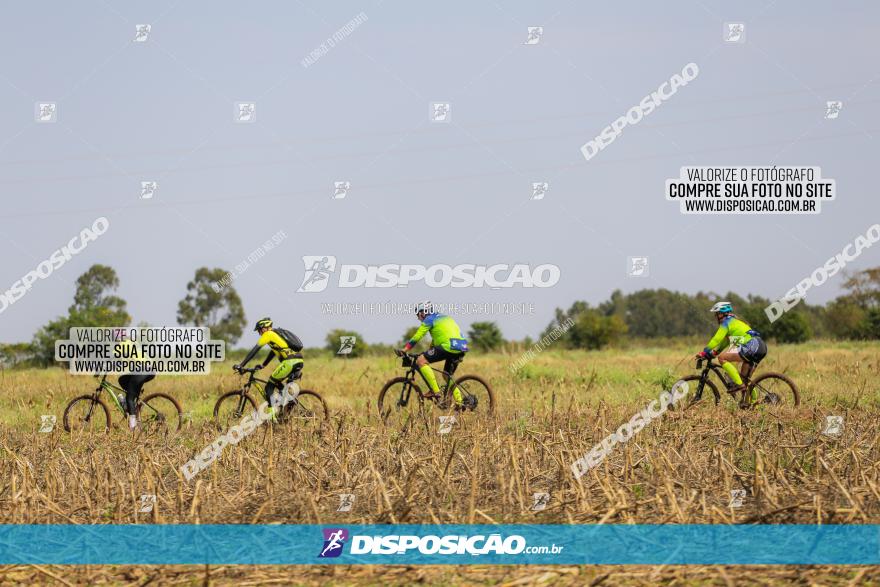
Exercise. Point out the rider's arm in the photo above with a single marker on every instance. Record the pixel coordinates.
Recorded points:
(268, 360)
(251, 354)
(718, 339)
(422, 331)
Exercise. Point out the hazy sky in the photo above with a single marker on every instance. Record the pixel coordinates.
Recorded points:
(422, 192)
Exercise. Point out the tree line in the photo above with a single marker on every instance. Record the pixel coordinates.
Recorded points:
(211, 301)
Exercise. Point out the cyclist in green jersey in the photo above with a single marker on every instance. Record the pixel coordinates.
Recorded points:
(447, 344)
(740, 344)
(288, 359)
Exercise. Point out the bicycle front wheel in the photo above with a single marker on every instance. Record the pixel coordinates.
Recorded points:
(700, 394)
(159, 413)
(232, 407)
(86, 414)
(775, 389)
(477, 394)
(400, 401)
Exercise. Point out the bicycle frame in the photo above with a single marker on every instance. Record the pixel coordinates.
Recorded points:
(112, 390)
(411, 376)
(720, 373)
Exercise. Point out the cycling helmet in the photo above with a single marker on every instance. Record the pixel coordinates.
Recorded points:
(722, 308)
(426, 307)
(263, 323)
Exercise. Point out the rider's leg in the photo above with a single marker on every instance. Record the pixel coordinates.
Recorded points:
(727, 360)
(133, 384)
(449, 368)
(427, 372)
(276, 380)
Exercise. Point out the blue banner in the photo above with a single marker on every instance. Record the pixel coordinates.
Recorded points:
(440, 544)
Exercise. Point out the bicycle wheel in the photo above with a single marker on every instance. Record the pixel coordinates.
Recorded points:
(477, 394)
(307, 408)
(697, 392)
(86, 414)
(232, 407)
(159, 413)
(400, 401)
(775, 389)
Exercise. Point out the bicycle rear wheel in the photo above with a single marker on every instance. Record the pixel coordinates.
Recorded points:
(775, 389)
(400, 402)
(159, 413)
(308, 408)
(477, 394)
(86, 414)
(232, 407)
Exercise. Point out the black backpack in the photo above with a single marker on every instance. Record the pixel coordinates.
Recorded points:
(290, 338)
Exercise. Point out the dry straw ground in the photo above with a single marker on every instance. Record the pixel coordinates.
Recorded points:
(679, 469)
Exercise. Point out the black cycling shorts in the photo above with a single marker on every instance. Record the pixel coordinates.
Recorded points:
(436, 353)
(753, 351)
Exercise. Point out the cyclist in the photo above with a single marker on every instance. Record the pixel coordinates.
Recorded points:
(289, 360)
(447, 345)
(745, 346)
(132, 383)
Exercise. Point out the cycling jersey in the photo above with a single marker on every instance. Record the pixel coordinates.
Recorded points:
(444, 332)
(731, 332)
(277, 344)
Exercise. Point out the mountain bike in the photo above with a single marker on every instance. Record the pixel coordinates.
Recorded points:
(773, 388)
(306, 407)
(401, 396)
(156, 411)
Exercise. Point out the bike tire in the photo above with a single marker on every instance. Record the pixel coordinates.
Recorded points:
(388, 405)
(164, 420)
(236, 395)
(296, 410)
(69, 421)
(482, 382)
(695, 381)
(766, 387)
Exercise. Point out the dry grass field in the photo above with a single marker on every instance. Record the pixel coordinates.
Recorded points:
(680, 469)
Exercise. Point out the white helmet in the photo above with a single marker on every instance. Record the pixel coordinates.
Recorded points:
(426, 307)
(722, 307)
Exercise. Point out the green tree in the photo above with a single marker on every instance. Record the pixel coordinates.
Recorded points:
(592, 330)
(485, 336)
(210, 303)
(94, 304)
(334, 342)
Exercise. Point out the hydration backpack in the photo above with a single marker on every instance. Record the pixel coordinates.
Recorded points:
(290, 338)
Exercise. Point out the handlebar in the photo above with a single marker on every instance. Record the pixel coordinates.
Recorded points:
(243, 370)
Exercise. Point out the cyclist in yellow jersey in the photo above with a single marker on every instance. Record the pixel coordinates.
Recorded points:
(289, 359)
(740, 342)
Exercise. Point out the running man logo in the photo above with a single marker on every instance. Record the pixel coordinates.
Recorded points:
(346, 345)
(318, 270)
(334, 540)
(535, 34)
